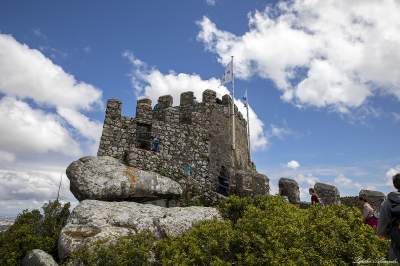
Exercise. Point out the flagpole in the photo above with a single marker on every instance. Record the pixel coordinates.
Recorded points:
(248, 126)
(233, 107)
(59, 187)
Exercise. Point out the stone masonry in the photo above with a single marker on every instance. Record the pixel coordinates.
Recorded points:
(195, 142)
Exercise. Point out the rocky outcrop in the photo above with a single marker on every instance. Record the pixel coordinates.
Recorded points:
(375, 198)
(327, 193)
(106, 178)
(37, 257)
(289, 188)
(250, 183)
(94, 220)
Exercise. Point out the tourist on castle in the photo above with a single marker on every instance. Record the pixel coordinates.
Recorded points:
(389, 220)
(368, 212)
(314, 197)
(155, 144)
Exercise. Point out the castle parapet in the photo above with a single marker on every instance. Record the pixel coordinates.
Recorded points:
(165, 101)
(187, 98)
(226, 99)
(113, 110)
(144, 110)
(209, 96)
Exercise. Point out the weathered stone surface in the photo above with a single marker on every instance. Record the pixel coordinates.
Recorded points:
(289, 188)
(195, 135)
(106, 178)
(375, 198)
(94, 220)
(248, 183)
(327, 193)
(37, 257)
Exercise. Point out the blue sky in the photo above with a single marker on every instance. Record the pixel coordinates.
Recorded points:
(322, 79)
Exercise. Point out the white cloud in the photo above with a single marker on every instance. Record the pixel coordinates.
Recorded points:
(211, 2)
(344, 182)
(42, 108)
(396, 117)
(7, 157)
(27, 73)
(305, 181)
(390, 173)
(27, 130)
(151, 83)
(87, 49)
(87, 127)
(279, 132)
(38, 33)
(30, 189)
(293, 164)
(319, 53)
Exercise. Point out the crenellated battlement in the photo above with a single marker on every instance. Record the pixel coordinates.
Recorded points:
(164, 110)
(192, 135)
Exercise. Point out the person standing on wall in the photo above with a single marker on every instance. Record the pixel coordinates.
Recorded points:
(155, 144)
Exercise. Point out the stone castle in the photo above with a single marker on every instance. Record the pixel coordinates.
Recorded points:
(195, 143)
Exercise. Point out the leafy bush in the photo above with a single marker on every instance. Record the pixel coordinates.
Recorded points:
(256, 231)
(129, 250)
(33, 230)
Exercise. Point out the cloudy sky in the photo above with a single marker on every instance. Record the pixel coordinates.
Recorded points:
(323, 81)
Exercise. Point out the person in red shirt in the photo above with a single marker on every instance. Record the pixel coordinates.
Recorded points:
(368, 212)
(314, 197)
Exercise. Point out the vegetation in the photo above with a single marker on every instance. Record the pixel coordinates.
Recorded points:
(130, 250)
(33, 230)
(256, 231)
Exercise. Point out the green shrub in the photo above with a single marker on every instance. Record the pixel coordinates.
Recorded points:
(256, 231)
(268, 231)
(128, 250)
(33, 230)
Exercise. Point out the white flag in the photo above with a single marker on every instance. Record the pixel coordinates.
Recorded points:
(228, 75)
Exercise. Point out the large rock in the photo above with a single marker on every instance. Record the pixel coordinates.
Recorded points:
(375, 198)
(37, 257)
(106, 178)
(94, 220)
(289, 188)
(249, 183)
(327, 193)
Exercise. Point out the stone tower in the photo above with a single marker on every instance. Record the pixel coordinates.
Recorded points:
(195, 143)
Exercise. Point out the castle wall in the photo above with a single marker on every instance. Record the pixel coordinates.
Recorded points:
(117, 131)
(182, 145)
(195, 134)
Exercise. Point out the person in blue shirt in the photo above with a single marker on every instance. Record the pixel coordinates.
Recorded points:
(155, 144)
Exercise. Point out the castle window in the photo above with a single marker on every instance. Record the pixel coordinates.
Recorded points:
(143, 136)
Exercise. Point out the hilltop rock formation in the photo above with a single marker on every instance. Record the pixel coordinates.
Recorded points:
(106, 178)
(327, 193)
(38, 257)
(289, 188)
(250, 183)
(94, 220)
(375, 198)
